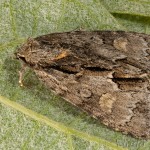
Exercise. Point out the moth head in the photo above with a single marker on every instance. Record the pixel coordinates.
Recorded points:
(26, 49)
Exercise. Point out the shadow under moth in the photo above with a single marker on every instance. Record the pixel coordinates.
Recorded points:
(104, 73)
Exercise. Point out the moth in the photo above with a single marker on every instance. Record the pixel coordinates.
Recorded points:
(104, 73)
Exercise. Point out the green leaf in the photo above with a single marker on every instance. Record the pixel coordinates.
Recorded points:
(34, 118)
(133, 7)
(133, 14)
(20, 118)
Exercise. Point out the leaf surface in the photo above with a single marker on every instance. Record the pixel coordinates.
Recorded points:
(34, 118)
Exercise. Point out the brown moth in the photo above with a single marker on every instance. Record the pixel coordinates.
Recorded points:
(104, 73)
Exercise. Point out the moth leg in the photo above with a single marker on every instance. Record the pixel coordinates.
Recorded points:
(21, 73)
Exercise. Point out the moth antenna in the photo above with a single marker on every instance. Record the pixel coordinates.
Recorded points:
(21, 73)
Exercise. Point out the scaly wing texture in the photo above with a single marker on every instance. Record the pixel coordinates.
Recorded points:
(113, 84)
(22, 19)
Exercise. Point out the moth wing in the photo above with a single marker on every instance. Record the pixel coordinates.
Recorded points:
(103, 99)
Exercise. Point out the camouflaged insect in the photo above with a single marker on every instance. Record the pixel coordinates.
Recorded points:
(104, 73)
